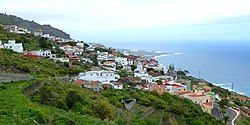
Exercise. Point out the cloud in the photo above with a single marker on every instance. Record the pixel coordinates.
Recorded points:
(121, 15)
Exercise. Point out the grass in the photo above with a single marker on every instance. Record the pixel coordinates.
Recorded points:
(243, 120)
(157, 114)
(15, 108)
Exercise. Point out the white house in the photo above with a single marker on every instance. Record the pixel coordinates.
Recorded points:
(46, 53)
(63, 59)
(13, 29)
(102, 76)
(121, 61)
(17, 47)
(46, 35)
(38, 32)
(126, 53)
(117, 85)
(1, 45)
(80, 44)
(87, 60)
(173, 88)
(131, 60)
(102, 55)
(22, 30)
(109, 65)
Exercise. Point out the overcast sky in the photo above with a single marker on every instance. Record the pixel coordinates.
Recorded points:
(139, 20)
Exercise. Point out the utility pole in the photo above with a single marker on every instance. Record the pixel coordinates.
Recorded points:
(232, 87)
(199, 74)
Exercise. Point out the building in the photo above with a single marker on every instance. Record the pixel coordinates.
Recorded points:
(46, 35)
(79, 83)
(102, 76)
(126, 53)
(63, 59)
(93, 85)
(1, 44)
(17, 47)
(102, 55)
(131, 60)
(121, 61)
(22, 30)
(41, 53)
(241, 98)
(174, 88)
(245, 111)
(117, 85)
(201, 98)
(38, 32)
(109, 65)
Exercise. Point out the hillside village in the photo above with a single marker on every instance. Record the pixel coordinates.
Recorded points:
(111, 69)
(151, 74)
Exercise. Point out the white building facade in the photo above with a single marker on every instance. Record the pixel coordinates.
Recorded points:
(17, 47)
(102, 76)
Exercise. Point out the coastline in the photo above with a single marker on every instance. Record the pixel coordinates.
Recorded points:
(220, 85)
(162, 54)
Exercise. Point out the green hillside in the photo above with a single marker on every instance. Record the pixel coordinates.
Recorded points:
(31, 25)
(45, 100)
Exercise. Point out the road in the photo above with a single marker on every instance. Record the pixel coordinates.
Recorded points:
(216, 112)
(231, 114)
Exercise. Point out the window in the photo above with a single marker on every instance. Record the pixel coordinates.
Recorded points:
(10, 46)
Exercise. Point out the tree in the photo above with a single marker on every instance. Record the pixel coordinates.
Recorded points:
(73, 98)
(133, 68)
(226, 119)
(85, 46)
(103, 110)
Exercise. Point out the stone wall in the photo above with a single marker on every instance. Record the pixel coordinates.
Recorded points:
(9, 77)
(129, 105)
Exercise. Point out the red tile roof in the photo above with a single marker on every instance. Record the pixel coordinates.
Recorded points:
(242, 98)
(178, 86)
(94, 82)
(196, 96)
(245, 109)
(79, 82)
(183, 93)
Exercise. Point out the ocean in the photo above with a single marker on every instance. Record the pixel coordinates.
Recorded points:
(219, 62)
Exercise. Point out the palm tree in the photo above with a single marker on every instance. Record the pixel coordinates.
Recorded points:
(85, 46)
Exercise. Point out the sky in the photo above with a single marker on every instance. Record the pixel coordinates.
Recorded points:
(139, 20)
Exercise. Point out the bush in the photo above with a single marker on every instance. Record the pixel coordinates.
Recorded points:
(73, 98)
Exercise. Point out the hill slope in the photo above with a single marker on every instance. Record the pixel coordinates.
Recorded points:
(31, 25)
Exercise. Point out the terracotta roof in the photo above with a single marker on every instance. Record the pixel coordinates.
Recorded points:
(131, 58)
(208, 103)
(242, 98)
(79, 82)
(178, 86)
(68, 53)
(196, 96)
(183, 93)
(94, 82)
(108, 63)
